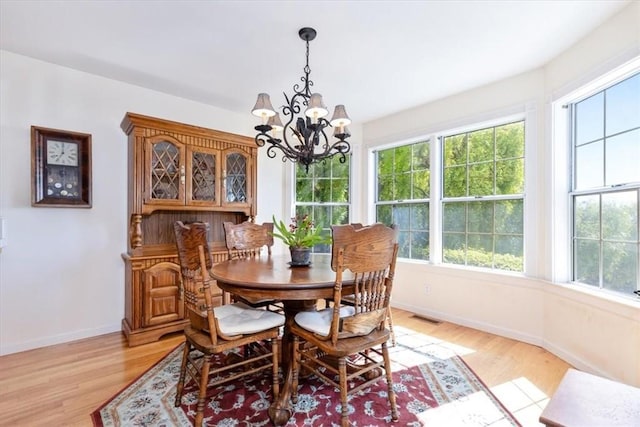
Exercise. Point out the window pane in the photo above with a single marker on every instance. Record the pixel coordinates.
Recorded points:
(304, 190)
(481, 146)
(453, 248)
(454, 217)
(323, 190)
(587, 216)
(385, 162)
(508, 253)
(340, 190)
(340, 215)
(510, 141)
(480, 250)
(420, 245)
(623, 106)
(589, 165)
(403, 186)
(455, 150)
(322, 216)
(322, 169)
(402, 217)
(403, 158)
(455, 181)
(340, 169)
(620, 262)
(403, 172)
(481, 179)
(384, 214)
(404, 244)
(623, 158)
(421, 185)
(590, 119)
(420, 216)
(510, 176)
(421, 160)
(385, 188)
(509, 217)
(481, 217)
(620, 216)
(301, 211)
(587, 261)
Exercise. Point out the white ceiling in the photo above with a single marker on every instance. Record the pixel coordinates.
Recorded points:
(376, 57)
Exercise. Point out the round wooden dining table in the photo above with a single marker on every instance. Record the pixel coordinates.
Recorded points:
(299, 288)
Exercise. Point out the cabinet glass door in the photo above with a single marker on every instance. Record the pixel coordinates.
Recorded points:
(236, 179)
(203, 188)
(166, 172)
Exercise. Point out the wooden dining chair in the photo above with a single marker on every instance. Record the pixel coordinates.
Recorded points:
(340, 334)
(213, 332)
(349, 300)
(246, 240)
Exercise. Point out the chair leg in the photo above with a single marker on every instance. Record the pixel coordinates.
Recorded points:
(295, 367)
(275, 349)
(183, 371)
(204, 380)
(390, 323)
(390, 392)
(344, 412)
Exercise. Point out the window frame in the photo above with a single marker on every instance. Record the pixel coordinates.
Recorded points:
(468, 199)
(569, 104)
(411, 202)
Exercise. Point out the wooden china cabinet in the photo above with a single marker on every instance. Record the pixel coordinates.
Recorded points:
(177, 172)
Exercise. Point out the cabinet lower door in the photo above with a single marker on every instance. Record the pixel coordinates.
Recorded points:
(161, 299)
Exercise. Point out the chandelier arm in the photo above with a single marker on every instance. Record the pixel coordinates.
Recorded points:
(339, 147)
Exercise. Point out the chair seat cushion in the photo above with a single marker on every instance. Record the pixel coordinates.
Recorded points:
(239, 319)
(320, 321)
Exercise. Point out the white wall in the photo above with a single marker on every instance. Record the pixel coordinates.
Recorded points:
(594, 333)
(61, 274)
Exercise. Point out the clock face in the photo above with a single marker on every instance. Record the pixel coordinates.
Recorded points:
(62, 153)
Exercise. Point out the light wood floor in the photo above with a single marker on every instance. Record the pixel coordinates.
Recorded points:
(62, 384)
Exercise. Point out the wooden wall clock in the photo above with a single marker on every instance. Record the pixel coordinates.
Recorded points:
(60, 168)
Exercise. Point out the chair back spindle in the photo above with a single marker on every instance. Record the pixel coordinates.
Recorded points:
(247, 239)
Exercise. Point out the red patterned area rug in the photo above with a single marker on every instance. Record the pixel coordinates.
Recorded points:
(433, 386)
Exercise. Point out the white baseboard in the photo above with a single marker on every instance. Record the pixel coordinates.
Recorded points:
(574, 360)
(470, 323)
(57, 339)
(568, 357)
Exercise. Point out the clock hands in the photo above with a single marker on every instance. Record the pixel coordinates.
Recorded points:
(61, 152)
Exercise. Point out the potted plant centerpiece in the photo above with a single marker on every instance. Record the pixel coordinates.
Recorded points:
(301, 235)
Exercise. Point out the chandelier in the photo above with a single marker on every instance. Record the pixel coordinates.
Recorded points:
(304, 136)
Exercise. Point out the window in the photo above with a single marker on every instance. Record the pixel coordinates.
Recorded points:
(483, 197)
(403, 175)
(323, 193)
(605, 135)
